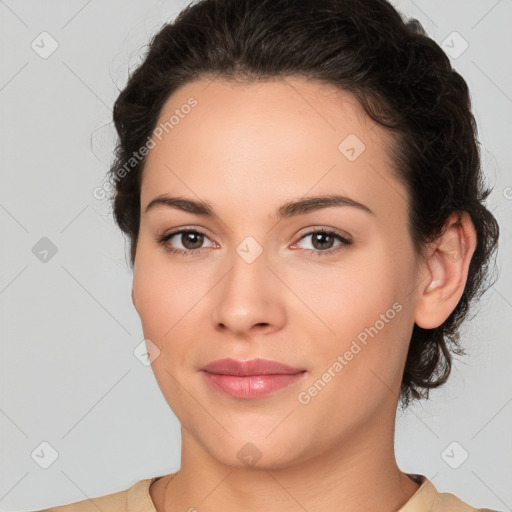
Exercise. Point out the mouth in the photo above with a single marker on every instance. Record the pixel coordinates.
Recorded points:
(250, 379)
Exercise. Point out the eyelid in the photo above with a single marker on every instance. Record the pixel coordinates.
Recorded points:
(165, 237)
(321, 229)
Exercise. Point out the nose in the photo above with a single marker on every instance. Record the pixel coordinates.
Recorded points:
(249, 299)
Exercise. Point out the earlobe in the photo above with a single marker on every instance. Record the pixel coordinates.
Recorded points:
(447, 272)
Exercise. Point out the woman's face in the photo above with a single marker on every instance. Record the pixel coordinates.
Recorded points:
(255, 282)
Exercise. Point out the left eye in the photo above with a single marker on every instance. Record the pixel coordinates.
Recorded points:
(322, 241)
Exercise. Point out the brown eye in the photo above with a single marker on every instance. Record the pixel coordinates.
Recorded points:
(191, 242)
(322, 241)
(191, 239)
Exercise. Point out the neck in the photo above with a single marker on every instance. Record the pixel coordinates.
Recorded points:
(360, 474)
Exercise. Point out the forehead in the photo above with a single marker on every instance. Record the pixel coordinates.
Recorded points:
(269, 141)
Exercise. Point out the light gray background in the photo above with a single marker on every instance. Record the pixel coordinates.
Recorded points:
(68, 373)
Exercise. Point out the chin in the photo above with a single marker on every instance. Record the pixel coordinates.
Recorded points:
(257, 450)
(251, 457)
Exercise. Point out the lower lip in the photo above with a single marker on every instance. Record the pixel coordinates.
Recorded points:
(251, 386)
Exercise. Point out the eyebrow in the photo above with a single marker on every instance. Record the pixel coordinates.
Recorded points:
(286, 210)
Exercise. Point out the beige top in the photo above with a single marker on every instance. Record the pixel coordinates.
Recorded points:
(137, 499)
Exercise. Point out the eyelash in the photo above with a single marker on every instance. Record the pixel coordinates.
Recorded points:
(163, 240)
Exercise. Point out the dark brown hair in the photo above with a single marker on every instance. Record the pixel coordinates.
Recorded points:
(401, 77)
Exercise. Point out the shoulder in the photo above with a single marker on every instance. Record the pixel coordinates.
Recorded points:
(448, 502)
(428, 499)
(122, 501)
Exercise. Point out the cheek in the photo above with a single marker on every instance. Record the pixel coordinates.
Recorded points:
(147, 295)
(349, 295)
(360, 314)
(168, 301)
(162, 293)
(359, 367)
(164, 301)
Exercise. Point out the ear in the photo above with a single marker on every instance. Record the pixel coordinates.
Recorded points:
(446, 270)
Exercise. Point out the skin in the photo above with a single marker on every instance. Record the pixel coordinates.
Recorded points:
(246, 149)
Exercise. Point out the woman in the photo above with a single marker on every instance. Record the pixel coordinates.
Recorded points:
(300, 184)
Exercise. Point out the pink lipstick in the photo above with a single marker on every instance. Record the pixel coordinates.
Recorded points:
(250, 379)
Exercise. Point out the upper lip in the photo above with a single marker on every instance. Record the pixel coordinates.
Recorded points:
(258, 366)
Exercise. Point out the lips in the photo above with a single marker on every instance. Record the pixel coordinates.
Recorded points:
(250, 379)
(252, 367)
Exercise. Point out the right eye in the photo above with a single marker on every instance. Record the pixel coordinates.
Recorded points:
(190, 239)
